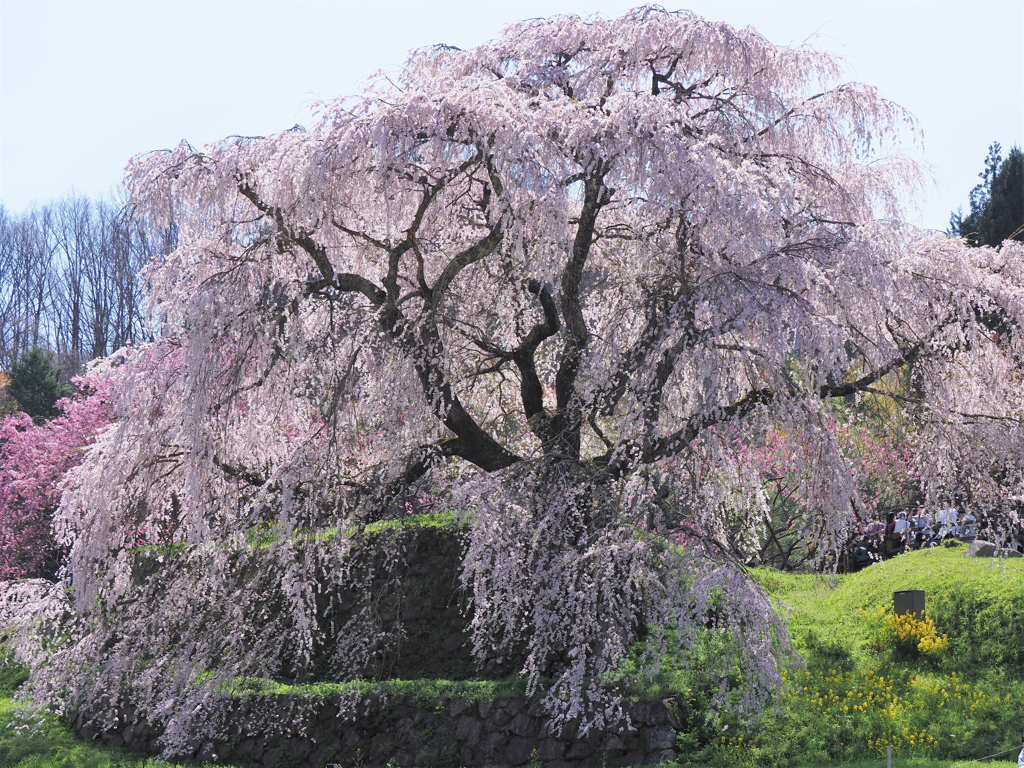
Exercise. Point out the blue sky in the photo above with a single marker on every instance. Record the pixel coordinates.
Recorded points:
(84, 85)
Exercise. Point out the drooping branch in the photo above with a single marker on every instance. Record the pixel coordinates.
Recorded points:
(618, 460)
(826, 391)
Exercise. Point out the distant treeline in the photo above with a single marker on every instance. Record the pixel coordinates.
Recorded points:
(69, 280)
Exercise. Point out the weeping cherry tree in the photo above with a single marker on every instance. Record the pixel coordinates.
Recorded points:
(562, 281)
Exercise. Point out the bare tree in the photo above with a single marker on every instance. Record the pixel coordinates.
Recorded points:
(70, 279)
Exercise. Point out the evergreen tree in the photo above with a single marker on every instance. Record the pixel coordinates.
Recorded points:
(997, 203)
(36, 384)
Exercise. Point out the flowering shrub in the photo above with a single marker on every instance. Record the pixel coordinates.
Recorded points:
(33, 461)
(906, 636)
(841, 714)
(880, 473)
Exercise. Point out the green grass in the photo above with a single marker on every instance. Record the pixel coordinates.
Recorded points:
(423, 691)
(834, 606)
(29, 739)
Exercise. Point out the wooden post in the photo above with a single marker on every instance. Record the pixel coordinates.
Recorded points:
(888, 756)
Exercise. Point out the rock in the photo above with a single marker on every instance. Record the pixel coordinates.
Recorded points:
(551, 749)
(980, 548)
(491, 745)
(579, 750)
(658, 713)
(513, 706)
(428, 755)
(458, 706)
(523, 725)
(612, 742)
(519, 750)
(659, 737)
(484, 708)
(296, 750)
(468, 730)
(403, 758)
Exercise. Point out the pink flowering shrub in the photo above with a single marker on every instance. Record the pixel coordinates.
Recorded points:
(881, 474)
(33, 461)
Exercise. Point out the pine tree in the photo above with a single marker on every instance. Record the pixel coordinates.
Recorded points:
(997, 203)
(36, 384)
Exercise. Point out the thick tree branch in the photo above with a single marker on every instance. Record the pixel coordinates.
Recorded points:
(567, 421)
(302, 239)
(531, 391)
(474, 253)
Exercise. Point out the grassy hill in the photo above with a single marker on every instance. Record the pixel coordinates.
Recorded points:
(836, 606)
(863, 683)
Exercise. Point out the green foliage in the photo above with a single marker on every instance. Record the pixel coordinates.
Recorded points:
(36, 384)
(12, 674)
(423, 692)
(865, 683)
(997, 203)
(986, 631)
(32, 739)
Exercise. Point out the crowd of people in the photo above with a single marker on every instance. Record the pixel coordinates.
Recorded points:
(903, 531)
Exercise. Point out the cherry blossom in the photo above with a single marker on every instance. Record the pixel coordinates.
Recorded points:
(547, 280)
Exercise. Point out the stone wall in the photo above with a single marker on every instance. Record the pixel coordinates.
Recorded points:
(303, 732)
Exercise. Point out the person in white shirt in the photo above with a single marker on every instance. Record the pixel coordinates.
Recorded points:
(945, 518)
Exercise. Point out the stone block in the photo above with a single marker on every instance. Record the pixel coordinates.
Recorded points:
(579, 750)
(492, 745)
(551, 749)
(612, 742)
(382, 744)
(662, 756)
(428, 755)
(485, 708)
(519, 750)
(468, 730)
(457, 707)
(523, 725)
(404, 758)
(657, 713)
(981, 548)
(296, 750)
(658, 738)
(513, 706)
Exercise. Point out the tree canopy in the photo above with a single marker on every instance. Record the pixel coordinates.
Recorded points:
(36, 384)
(562, 281)
(997, 203)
